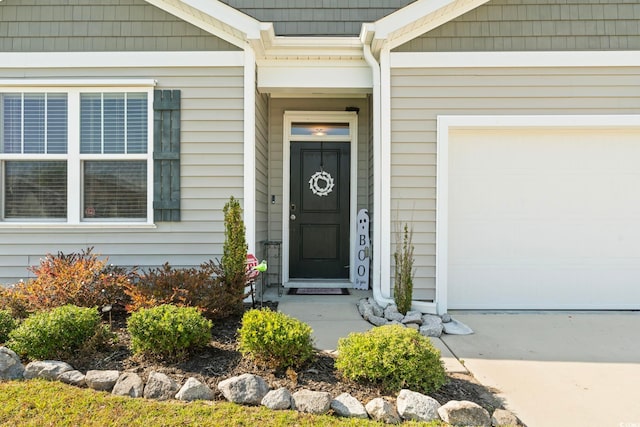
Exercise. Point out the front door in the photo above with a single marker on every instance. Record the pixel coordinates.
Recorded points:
(319, 210)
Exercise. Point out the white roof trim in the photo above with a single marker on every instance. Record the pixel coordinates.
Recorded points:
(243, 31)
(627, 58)
(17, 82)
(120, 59)
(313, 48)
(214, 17)
(416, 19)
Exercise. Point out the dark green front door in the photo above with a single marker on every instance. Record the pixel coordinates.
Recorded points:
(319, 210)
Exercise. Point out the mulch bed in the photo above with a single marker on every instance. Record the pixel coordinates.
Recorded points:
(221, 360)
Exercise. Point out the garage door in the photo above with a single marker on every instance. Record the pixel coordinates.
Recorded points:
(544, 219)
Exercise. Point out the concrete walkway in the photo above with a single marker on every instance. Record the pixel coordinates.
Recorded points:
(550, 368)
(557, 368)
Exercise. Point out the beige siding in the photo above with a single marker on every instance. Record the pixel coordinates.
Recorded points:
(537, 25)
(418, 96)
(98, 26)
(276, 112)
(262, 171)
(211, 171)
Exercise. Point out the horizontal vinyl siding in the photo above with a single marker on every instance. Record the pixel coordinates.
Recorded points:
(537, 25)
(418, 96)
(211, 171)
(98, 26)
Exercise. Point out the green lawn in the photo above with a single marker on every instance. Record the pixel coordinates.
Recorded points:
(43, 403)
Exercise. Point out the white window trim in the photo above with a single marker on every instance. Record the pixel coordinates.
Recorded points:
(73, 156)
(318, 117)
(447, 123)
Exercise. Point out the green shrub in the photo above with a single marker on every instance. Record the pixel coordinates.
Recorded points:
(58, 333)
(80, 279)
(7, 324)
(393, 357)
(275, 339)
(167, 331)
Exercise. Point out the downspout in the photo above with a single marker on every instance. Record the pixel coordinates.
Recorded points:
(249, 190)
(377, 170)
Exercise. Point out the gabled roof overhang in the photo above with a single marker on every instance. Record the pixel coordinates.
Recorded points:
(214, 17)
(244, 31)
(315, 65)
(412, 21)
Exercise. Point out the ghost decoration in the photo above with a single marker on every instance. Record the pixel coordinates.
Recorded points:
(363, 252)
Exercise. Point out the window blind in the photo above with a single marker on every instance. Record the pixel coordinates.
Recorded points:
(35, 189)
(34, 123)
(115, 189)
(113, 123)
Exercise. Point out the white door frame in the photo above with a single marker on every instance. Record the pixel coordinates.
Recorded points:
(291, 117)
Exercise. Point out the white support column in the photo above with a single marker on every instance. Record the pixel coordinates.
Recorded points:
(384, 214)
(250, 148)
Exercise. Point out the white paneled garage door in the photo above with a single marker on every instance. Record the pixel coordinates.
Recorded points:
(544, 218)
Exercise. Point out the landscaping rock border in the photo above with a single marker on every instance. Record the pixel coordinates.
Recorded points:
(429, 325)
(252, 390)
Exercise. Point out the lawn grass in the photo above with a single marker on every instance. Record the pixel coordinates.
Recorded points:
(45, 403)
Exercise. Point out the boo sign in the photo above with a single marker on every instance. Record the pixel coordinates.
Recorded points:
(363, 252)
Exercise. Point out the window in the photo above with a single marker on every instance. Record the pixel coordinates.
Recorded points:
(35, 189)
(75, 156)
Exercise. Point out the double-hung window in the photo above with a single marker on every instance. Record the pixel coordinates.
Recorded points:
(76, 156)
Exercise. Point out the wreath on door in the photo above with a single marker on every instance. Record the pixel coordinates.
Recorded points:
(321, 183)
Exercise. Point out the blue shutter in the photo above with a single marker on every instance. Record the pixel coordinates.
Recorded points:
(166, 155)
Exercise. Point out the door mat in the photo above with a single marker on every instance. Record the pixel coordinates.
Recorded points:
(318, 291)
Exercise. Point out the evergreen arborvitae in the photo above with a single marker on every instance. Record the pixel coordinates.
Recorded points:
(234, 256)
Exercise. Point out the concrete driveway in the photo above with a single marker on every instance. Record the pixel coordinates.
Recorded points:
(557, 368)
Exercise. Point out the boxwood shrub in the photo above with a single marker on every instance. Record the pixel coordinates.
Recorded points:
(274, 339)
(7, 324)
(167, 331)
(393, 357)
(58, 333)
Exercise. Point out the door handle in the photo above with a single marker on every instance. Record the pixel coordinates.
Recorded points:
(292, 217)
